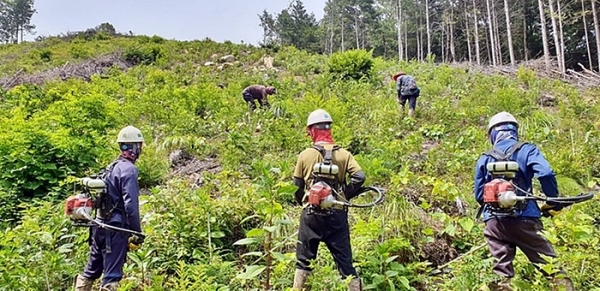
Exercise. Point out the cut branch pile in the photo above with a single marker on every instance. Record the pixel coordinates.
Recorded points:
(83, 70)
(583, 79)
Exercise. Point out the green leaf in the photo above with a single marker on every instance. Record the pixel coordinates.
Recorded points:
(467, 224)
(251, 272)
(279, 256)
(249, 217)
(390, 259)
(405, 282)
(258, 254)
(66, 248)
(288, 189)
(246, 241)
(255, 232)
(270, 229)
(217, 234)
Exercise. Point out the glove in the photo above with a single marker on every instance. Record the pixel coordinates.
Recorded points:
(135, 242)
(551, 210)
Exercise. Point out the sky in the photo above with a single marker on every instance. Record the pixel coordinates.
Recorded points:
(219, 20)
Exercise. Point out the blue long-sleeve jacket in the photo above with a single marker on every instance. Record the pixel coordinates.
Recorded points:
(123, 184)
(531, 164)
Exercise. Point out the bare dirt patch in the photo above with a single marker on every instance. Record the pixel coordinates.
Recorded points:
(190, 167)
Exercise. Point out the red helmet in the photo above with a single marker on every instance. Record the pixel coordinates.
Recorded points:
(395, 77)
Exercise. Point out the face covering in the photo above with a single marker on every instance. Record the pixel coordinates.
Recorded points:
(320, 135)
(131, 152)
(503, 132)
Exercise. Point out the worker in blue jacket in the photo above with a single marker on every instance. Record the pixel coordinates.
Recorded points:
(518, 226)
(109, 248)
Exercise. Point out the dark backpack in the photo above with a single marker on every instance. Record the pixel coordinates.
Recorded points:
(105, 205)
(500, 156)
(409, 86)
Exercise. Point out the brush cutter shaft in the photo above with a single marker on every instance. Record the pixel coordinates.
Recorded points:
(81, 212)
(362, 190)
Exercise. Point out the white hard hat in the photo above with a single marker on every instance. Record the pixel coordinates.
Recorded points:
(318, 116)
(501, 118)
(130, 134)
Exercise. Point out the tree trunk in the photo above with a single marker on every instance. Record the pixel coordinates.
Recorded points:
(562, 38)
(406, 42)
(475, 22)
(509, 34)
(587, 40)
(469, 50)
(491, 28)
(499, 56)
(451, 39)
(443, 29)
(545, 36)
(525, 51)
(399, 27)
(420, 37)
(356, 27)
(596, 31)
(343, 47)
(429, 29)
(555, 36)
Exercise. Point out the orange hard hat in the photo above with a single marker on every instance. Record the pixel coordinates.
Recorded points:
(395, 77)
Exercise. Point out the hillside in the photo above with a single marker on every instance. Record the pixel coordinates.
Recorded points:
(214, 174)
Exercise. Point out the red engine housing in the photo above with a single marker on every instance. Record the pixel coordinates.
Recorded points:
(318, 192)
(74, 202)
(492, 190)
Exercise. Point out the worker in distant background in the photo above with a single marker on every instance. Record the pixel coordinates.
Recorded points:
(407, 89)
(258, 92)
(325, 225)
(108, 249)
(507, 229)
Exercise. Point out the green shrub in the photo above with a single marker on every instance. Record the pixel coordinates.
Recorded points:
(351, 65)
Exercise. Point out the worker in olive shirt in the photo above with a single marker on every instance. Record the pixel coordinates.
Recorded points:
(330, 227)
(258, 92)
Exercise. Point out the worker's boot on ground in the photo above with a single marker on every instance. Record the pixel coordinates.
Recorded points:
(300, 280)
(113, 286)
(562, 284)
(401, 108)
(355, 285)
(501, 285)
(83, 284)
(411, 112)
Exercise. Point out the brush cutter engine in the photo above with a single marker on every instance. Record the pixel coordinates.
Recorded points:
(500, 193)
(321, 195)
(80, 207)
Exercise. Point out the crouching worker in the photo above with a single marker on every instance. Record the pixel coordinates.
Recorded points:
(321, 169)
(260, 93)
(407, 89)
(510, 224)
(108, 249)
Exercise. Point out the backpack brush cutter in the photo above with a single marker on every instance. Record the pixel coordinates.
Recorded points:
(324, 196)
(80, 207)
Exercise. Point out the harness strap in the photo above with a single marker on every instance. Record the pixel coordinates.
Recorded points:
(500, 156)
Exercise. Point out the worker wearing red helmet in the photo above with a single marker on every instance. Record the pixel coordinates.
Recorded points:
(407, 89)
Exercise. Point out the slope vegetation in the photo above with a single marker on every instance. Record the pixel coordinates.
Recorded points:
(217, 203)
